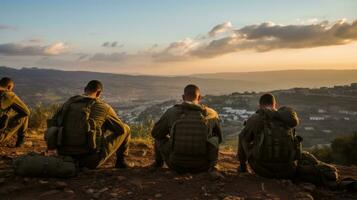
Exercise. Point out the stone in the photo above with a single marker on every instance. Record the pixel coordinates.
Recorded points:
(158, 195)
(121, 178)
(303, 196)
(51, 192)
(90, 191)
(61, 184)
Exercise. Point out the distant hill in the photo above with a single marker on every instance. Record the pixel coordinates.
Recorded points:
(290, 78)
(48, 86)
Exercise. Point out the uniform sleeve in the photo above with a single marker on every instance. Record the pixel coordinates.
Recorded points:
(161, 128)
(217, 130)
(115, 124)
(20, 107)
(252, 127)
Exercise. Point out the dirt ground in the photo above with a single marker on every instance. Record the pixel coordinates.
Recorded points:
(141, 183)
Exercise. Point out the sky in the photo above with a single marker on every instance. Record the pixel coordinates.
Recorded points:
(178, 37)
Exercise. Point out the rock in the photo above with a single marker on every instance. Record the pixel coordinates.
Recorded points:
(43, 182)
(28, 144)
(113, 194)
(90, 191)
(121, 178)
(158, 195)
(233, 198)
(303, 196)
(69, 191)
(308, 187)
(129, 193)
(96, 195)
(103, 190)
(61, 184)
(51, 192)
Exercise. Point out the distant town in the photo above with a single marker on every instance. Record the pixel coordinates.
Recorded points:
(324, 112)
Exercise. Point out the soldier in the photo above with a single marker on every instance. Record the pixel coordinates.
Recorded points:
(269, 143)
(14, 114)
(89, 130)
(188, 135)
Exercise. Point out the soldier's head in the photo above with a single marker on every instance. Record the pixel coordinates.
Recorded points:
(7, 83)
(94, 89)
(267, 101)
(192, 93)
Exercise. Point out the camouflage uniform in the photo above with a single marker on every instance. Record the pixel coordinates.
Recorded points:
(115, 135)
(253, 127)
(18, 112)
(161, 132)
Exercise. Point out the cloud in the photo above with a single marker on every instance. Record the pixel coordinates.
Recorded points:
(112, 44)
(7, 27)
(112, 57)
(14, 49)
(220, 28)
(263, 37)
(36, 40)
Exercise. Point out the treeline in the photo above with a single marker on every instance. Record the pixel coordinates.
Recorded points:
(343, 150)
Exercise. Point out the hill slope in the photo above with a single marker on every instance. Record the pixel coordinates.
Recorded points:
(141, 183)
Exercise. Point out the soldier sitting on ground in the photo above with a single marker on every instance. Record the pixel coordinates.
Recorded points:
(14, 114)
(188, 135)
(89, 130)
(269, 144)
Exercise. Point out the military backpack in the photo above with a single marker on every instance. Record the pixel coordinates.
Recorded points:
(75, 128)
(188, 138)
(276, 143)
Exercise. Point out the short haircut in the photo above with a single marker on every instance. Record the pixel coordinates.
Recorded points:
(192, 91)
(5, 82)
(93, 86)
(267, 100)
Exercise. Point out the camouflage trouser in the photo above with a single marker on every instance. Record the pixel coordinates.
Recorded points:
(15, 126)
(163, 153)
(111, 144)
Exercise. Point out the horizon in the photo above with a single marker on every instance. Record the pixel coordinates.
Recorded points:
(179, 38)
(181, 75)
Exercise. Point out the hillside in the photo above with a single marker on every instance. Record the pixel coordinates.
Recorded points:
(49, 86)
(141, 183)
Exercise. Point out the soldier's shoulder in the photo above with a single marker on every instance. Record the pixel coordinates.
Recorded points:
(210, 112)
(9, 95)
(255, 118)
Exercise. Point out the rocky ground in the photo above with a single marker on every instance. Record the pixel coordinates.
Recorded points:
(141, 183)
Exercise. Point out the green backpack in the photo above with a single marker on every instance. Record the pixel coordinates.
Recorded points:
(36, 165)
(188, 138)
(310, 169)
(276, 143)
(75, 132)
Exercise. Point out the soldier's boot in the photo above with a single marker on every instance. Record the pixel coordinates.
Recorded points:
(121, 163)
(159, 161)
(242, 168)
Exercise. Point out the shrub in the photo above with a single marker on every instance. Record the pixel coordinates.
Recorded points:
(40, 114)
(342, 151)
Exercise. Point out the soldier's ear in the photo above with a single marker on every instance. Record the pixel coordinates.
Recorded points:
(98, 93)
(199, 98)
